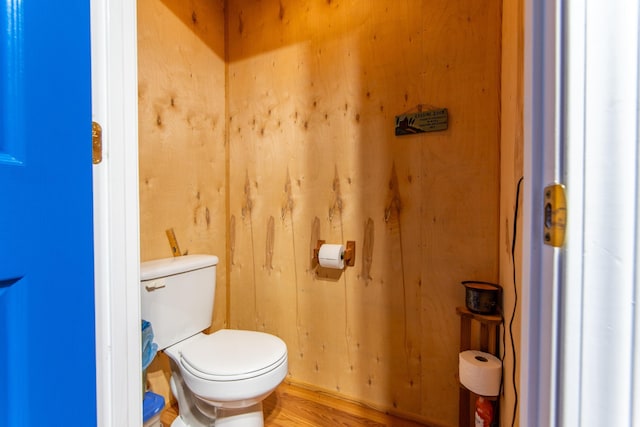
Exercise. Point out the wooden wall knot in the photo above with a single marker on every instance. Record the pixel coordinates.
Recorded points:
(247, 205)
(287, 205)
(271, 231)
(392, 209)
(395, 202)
(337, 200)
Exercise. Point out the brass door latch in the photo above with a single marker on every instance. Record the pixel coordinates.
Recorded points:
(555, 215)
(96, 140)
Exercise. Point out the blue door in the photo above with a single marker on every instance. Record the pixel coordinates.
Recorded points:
(47, 334)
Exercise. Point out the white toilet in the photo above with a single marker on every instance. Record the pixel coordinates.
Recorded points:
(218, 379)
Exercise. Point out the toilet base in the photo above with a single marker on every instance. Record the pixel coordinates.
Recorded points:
(251, 416)
(178, 423)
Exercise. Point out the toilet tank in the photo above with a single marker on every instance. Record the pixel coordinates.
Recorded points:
(177, 296)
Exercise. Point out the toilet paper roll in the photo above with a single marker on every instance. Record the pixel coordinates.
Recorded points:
(480, 372)
(331, 256)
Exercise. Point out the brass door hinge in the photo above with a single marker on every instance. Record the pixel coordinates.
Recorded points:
(96, 139)
(555, 215)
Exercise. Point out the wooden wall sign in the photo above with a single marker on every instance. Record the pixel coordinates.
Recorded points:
(422, 121)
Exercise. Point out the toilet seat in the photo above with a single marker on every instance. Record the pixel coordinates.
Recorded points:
(233, 355)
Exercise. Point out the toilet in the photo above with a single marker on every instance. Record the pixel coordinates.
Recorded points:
(218, 379)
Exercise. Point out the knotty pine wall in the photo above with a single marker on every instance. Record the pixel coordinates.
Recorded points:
(181, 111)
(511, 170)
(311, 92)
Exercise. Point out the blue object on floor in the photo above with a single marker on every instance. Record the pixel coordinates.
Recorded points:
(149, 348)
(151, 405)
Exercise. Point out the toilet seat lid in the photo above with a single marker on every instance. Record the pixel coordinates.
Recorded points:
(230, 355)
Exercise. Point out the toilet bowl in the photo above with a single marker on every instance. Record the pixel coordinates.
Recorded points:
(230, 369)
(219, 379)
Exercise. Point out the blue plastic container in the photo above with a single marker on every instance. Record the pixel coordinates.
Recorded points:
(152, 406)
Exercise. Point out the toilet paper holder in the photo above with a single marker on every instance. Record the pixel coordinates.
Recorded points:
(349, 253)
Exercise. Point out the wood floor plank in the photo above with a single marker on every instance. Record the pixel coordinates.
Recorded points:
(306, 412)
(292, 406)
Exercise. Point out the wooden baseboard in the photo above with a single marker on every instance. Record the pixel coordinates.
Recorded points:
(353, 406)
(283, 408)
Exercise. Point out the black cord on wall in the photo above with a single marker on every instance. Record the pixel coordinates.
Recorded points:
(515, 301)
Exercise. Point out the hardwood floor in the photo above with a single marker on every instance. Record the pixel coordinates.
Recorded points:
(291, 406)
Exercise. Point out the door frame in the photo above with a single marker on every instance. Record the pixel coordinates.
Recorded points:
(580, 320)
(116, 213)
(541, 168)
(116, 205)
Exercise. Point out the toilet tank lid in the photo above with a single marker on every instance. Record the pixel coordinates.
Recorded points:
(156, 268)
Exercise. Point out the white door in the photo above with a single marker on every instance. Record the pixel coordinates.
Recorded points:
(580, 322)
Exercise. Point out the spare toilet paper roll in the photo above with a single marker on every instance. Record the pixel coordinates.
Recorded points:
(331, 256)
(480, 372)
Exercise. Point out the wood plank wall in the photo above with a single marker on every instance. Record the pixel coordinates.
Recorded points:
(181, 110)
(511, 165)
(311, 93)
(313, 90)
